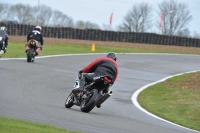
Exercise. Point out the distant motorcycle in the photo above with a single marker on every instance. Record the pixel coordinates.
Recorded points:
(2, 45)
(94, 94)
(33, 45)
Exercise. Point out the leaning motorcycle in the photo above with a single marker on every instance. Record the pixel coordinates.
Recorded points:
(33, 45)
(93, 94)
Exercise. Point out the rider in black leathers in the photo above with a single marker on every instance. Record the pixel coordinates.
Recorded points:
(36, 35)
(3, 38)
(103, 66)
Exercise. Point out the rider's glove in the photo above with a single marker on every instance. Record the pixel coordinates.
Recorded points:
(80, 72)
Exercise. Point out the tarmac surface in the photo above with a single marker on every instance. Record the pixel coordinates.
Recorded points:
(37, 92)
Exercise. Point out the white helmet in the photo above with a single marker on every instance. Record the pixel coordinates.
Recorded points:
(38, 28)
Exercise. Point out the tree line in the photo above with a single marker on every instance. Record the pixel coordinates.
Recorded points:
(173, 18)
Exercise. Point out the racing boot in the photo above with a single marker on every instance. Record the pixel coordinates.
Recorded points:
(33, 59)
(34, 56)
(36, 53)
(26, 48)
(1, 52)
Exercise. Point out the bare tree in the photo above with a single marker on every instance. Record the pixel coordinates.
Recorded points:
(176, 16)
(107, 27)
(3, 10)
(83, 25)
(10, 15)
(90, 25)
(196, 35)
(61, 20)
(80, 24)
(22, 13)
(137, 19)
(184, 33)
(43, 15)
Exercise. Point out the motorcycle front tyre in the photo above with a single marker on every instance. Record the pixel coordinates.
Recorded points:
(69, 101)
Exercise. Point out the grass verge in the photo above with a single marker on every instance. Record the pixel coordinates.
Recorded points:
(16, 50)
(176, 99)
(19, 126)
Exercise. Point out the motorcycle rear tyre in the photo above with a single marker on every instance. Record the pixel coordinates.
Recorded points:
(30, 55)
(91, 103)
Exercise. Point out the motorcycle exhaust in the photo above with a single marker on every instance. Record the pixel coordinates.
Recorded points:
(106, 96)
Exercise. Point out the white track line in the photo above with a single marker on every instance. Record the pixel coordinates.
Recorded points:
(38, 57)
(136, 93)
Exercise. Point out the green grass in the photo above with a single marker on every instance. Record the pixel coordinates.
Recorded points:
(15, 50)
(171, 101)
(19, 126)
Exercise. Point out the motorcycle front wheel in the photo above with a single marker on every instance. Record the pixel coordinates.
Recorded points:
(69, 101)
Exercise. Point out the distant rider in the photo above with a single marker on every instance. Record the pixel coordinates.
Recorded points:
(103, 66)
(3, 39)
(36, 35)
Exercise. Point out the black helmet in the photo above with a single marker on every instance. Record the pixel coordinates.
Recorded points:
(3, 28)
(38, 28)
(112, 55)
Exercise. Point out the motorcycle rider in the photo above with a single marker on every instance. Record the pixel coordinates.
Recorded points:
(102, 66)
(36, 35)
(3, 39)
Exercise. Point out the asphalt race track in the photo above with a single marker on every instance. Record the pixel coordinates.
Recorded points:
(37, 92)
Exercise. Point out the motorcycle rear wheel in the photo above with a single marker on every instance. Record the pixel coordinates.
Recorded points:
(30, 55)
(90, 102)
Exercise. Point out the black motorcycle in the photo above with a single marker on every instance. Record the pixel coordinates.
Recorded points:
(33, 45)
(94, 94)
(1, 47)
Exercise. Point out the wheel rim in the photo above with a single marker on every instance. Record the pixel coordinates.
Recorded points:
(69, 99)
(85, 101)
